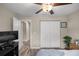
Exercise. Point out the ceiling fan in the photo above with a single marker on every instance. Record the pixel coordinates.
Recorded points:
(47, 7)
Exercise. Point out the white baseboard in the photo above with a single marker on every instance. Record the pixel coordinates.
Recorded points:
(34, 47)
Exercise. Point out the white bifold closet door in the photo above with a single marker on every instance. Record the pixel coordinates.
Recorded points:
(50, 34)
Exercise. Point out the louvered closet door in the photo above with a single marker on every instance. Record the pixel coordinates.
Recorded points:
(50, 34)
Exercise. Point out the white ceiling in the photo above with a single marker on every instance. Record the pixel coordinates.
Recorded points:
(29, 9)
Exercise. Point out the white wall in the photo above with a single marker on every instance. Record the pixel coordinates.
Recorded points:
(73, 25)
(5, 19)
(72, 29)
(35, 40)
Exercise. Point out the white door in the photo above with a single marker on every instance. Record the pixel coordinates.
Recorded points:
(50, 34)
(17, 26)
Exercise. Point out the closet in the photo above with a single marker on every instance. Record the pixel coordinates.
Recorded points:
(49, 34)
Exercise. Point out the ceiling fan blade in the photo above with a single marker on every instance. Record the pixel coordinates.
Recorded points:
(38, 11)
(51, 12)
(59, 4)
(38, 3)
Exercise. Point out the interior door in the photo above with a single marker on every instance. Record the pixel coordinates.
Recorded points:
(50, 34)
(17, 26)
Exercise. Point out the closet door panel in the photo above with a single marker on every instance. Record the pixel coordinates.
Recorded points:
(50, 34)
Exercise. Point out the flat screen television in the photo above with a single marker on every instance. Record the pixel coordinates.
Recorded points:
(8, 36)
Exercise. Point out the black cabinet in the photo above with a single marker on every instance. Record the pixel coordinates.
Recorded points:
(10, 51)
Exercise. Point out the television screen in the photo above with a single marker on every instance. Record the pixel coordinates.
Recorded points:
(8, 35)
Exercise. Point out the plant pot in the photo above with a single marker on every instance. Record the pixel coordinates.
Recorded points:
(67, 46)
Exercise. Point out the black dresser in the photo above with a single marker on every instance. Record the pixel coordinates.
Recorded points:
(9, 43)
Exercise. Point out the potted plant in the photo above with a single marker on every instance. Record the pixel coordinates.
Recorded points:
(67, 41)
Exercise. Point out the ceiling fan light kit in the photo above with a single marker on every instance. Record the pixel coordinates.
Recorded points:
(47, 7)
